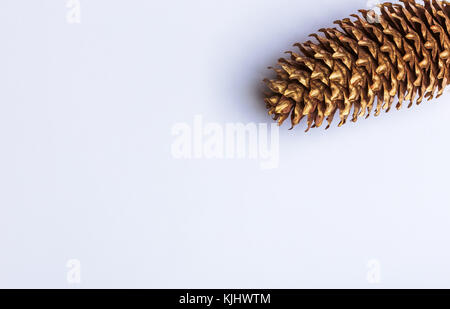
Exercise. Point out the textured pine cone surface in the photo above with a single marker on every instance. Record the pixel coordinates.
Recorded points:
(402, 52)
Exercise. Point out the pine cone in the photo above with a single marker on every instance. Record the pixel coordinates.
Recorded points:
(403, 52)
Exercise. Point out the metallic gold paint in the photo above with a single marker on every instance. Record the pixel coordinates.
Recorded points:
(404, 54)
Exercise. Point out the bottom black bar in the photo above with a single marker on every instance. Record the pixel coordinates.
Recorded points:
(228, 298)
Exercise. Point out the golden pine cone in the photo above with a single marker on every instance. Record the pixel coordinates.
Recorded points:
(403, 52)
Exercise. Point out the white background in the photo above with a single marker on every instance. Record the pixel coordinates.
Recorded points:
(86, 171)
